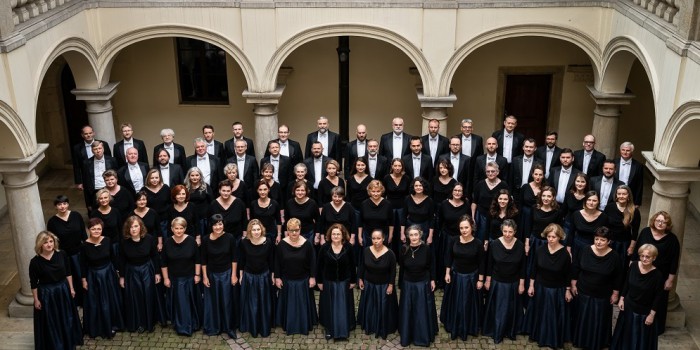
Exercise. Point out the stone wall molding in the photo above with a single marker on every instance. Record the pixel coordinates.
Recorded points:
(618, 56)
(24, 143)
(686, 113)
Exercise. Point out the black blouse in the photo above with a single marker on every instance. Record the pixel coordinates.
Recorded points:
(71, 233)
(418, 212)
(160, 201)
(123, 201)
(527, 197)
(112, 223)
(96, 255)
(218, 254)
(552, 270)
(597, 276)
(329, 216)
(235, 217)
(619, 232)
(381, 270)
(541, 219)
(441, 191)
(256, 259)
(180, 258)
(200, 200)
(375, 216)
(42, 271)
(448, 216)
(269, 216)
(483, 196)
(189, 214)
(295, 263)
(396, 193)
(586, 229)
(643, 292)
(151, 220)
(417, 264)
(466, 257)
(506, 265)
(669, 251)
(323, 194)
(357, 192)
(306, 212)
(139, 253)
(336, 267)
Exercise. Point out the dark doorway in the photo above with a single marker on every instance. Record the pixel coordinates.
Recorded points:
(75, 111)
(527, 97)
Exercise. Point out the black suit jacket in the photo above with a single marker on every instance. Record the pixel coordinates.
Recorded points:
(230, 151)
(386, 145)
(79, 156)
(295, 155)
(426, 166)
(477, 145)
(351, 156)
(311, 174)
(463, 172)
(125, 177)
(333, 145)
(518, 140)
(597, 183)
(88, 171)
(541, 154)
(383, 167)
(516, 173)
(553, 179)
(285, 173)
(443, 147)
(480, 169)
(177, 175)
(595, 166)
(121, 156)
(636, 179)
(216, 171)
(179, 155)
(251, 171)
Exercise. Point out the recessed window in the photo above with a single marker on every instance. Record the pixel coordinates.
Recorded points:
(201, 72)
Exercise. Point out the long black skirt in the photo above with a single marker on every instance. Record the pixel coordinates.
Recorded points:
(184, 304)
(221, 304)
(336, 309)
(77, 278)
(592, 323)
(142, 305)
(632, 334)
(102, 312)
(548, 317)
(256, 304)
(461, 307)
(296, 307)
(57, 324)
(504, 311)
(378, 312)
(417, 314)
(443, 243)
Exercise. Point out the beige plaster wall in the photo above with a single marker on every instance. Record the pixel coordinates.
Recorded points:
(638, 117)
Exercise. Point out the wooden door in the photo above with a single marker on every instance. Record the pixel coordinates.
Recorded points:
(527, 98)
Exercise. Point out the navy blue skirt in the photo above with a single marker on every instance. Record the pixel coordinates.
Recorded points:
(442, 243)
(184, 304)
(417, 314)
(535, 243)
(296, 307)
(221, 304)
(592, 322)
(102, 312)
(504, 311)
(525, 220)
(378, 312)
(632, 334)
(77, 279)
(336, 309)
(548, 317)
(57, 324)
(256, 304)
(580, 243)
(461, 307)
(142, 305)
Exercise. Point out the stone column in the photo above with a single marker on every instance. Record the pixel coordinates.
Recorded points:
(27, 220)
(606, 117)
(99, 108)
(435, 108)
(265, 110)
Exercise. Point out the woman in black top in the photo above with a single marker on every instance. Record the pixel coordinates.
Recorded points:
(332, 180)
(336, 277)
(200, 197)
(396, 187)
(306, 210)
(102, 313)
(139, 272)
(182, 208)
(448, 217)
(378, 310)
(232, 209)
(357, 184)
(149, 217)
(56, 320)
(219, 278)
(502, 208)
(69, 228)
(527, 199)
(267, 210)
(461, 307)
(121, 198)
(623, 221)
(158, 195)
(443, 183)
(660, 236)
(505, 281)
(548, 316)
(585, 222)
(417, 313)
(377, 214)
(181, 267)
(640, 298)
(255, 263)
(111, 219)
(418, 209)
(337, 211)
(484, 192)
(574, 200)
(267, 173)
(238, 187)
(546, 212)
(596, 281)
(299, 175)
(295, 268)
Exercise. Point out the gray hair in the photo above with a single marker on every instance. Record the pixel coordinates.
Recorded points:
(628, 144)
(492, 164)
(167, 131)
(300, 166)
(467, 120)
(199, 140)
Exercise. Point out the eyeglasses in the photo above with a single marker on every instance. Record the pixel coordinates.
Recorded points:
(660, 221)
(644, 257)
(490, 171)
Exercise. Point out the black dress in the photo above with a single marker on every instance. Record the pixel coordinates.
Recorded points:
(57, 324)
(221, 306)
(200, 200)
(71, 234)
(421, 214)
(417, 312)
(296, 306)
(113, 223)
(447, 220)
(139, 264)
(123, 201)
(102, 312)
(160, 201)
(235, 217)
(356, 192)
(378, 311)
(184, 302)
(255, 263)
(323, 194)
(329, 216)
(482, 197)
(151, 220)
(269, 216)
(307, 213)
(622, 235)
(441, 191)
(336, 307)
(189, 213)
(583, 231)
(527, 204)
(375, 217)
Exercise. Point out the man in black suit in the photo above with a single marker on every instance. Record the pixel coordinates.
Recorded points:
(418, 164)
(214, 147)
(83, 152)
(396, 143)
(606, 185)
(208, 164)
(521, 167)
(356, 148)
(490, 156)
(563, 176)
(460, 162)
(92, 171)
(377, 165)
(328, 139)
(434, 144)
(248, 170)
(630, 172)
(549, 153)
(171, 173)
(133, 175)
(510, 142)
(127, 142)
(230, 144)
(288, 147)
(316, 165)
(588, 159)
(176, 151)
(472, 144)
(283, 172)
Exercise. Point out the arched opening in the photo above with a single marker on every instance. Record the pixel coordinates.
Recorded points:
(638, 119)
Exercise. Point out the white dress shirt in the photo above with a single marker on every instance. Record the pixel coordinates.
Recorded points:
(275, 168)
(165, 174)
(128, 144)
(136, 176)
(527, 166)
(605, 188)
(548, 161)
(361, 147)
(284, 148)
(88, 149)
(433, 143)
(625, 169)
(416, 165)
(171, 152)
(318, 173)
(203, 165)
(564, 175)
(99, 168)
(586, 161)
(508, 146)
(210, 147)
(397, 145)
(372, 166)
(467, 145)
(454, 159)
(323, 139)
(240, 162)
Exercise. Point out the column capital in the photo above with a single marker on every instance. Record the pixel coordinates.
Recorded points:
(436, 102)
(23, 165)
(271, 97)
(608, 99)
(102, 94)
(670, 174)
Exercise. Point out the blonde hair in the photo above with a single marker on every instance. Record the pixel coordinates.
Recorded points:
(41, 238)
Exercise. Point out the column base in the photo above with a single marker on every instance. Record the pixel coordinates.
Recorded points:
(17, 310)
(676, 318)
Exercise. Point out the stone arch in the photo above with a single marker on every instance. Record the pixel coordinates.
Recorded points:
(679, 140)
(18, 141)
(618, 57)
(115, 45)
(574, 36)
(269, 79)
(81, 58)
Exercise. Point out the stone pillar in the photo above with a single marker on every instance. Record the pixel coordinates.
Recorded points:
(435, 108)
(27, 220)
(7, 24)
(265, 110)
(606, 117)
(99, 109)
